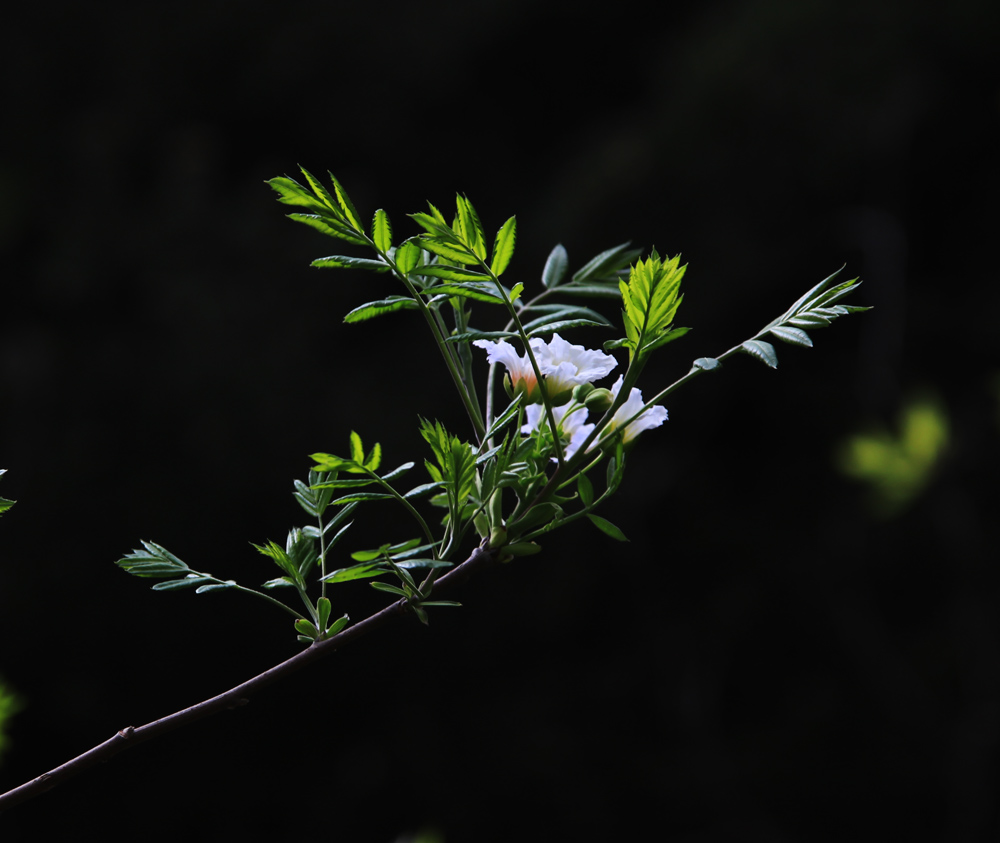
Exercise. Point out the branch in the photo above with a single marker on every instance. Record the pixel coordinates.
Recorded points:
(237, 696)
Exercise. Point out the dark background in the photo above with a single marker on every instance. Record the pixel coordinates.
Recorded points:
(768, 659)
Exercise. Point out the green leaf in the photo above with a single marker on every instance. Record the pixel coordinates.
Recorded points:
(389, 550)
(439, 218)
(707, 363)
(809, 320)
(835, 294)
(595, 291)
(306, 629)
(326, 225)
(663, 339)
(365, 570)
(217, 586)
(606, 263)
(453, 252)
(324, 608)
(552, 327)
(408, 556)
(357, 450)
(456, 461)
(616, 467)
(301, 549)
(190, 581)
(345, 262)
(434, 225)
(539, 514)
(761, 350)
(423, 489)
(331, 462)
(337, 626)
(503, 247)
(370, 555)
(607, 527)
(346, 205)
(556, 266)
(505, 417)
(408, 255)
(470, 228)
(362, 496)
(312, 501)
(398, 471)
(290, 192)
(477, 291)
(321, 192)
(453, 273)
(280, 558)
(391, 589)
(381, 231)
(805, 301)
(276, 583)
(492, 452)
(372, 309)
(374, 458)
(153, 561)
(585, 489)
(795, 336)
(651, 298)
(558, 313)
(346, 484)
(470, 336)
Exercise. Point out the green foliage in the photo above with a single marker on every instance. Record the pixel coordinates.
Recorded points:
(454, 467)
(530, 468)
(898, 467)
(5, 504)
(390, 304)
(357, 463)
(651, 298)
(10, 704)
(382, 231)
(816, 309)
(153, 561)
(607, 527)
(503, 247)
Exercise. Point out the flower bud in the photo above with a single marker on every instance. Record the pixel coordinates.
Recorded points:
(581, 391)
(557, 396)
(599, 401)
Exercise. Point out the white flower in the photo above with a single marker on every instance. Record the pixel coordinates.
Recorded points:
(522, 376)
(569, 425)
(653, 417)
(565, 365)
(561, 364)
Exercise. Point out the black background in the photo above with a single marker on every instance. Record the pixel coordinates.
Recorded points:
(765, 660)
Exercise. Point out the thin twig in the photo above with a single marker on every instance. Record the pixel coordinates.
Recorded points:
(237, 696)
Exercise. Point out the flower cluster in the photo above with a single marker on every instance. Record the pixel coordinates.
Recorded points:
(564, 367)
